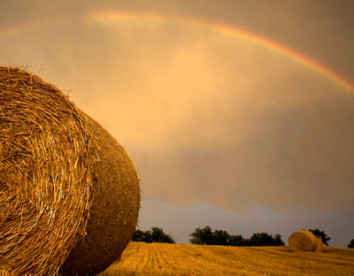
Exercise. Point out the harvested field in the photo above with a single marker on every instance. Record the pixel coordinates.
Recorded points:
(178, 259)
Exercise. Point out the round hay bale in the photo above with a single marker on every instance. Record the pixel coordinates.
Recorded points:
(319, 244)
(303, 240)
(69, 193)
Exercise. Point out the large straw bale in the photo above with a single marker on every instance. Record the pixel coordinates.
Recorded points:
(303, 240)
(69, 193)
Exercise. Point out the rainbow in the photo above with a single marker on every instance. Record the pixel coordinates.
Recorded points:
(229, 31)
(109, 16)
(15, 29)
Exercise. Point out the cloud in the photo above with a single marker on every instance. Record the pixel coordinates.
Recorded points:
(205, 117)
(290, 157)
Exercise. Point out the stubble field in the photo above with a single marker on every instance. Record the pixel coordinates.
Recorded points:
(185, 259)
(179, 259)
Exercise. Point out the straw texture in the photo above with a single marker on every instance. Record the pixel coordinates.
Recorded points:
(66, 186)
(113, 216)
(303, 240)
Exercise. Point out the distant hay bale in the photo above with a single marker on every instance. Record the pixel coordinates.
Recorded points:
(306, 241)
(69, 193)
(319, 244)
(303, 240)
(321, 247)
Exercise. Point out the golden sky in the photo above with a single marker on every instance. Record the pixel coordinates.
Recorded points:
(220, 124)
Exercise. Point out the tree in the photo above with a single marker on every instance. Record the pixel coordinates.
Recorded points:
(278, 240)
(264, 239)
(139, 236)
(156, 234)
(261, 239)
(319, 233)
(220, 237)
(142, 236)
(207, 236)
(351, 244)
(202, 236)
(238, 240)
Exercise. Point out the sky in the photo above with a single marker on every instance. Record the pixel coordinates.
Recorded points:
(237, 114)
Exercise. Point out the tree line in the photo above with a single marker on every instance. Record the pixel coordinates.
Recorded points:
(208, 236)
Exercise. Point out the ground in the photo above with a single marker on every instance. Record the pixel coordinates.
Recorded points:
(185, 259)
